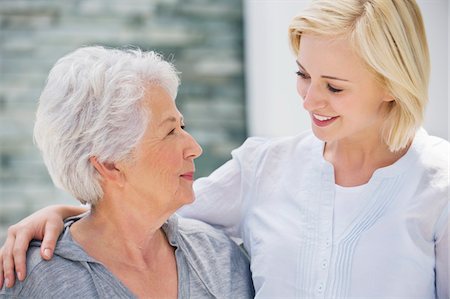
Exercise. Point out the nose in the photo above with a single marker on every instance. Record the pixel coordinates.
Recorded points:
(313, 98)
(193, 149)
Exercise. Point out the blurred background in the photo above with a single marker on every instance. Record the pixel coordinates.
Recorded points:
(237, 74)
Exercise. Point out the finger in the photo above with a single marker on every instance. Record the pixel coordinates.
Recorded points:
(19, 254)
(51, 235)
(10, 278)
(8, 261)
(1, 269)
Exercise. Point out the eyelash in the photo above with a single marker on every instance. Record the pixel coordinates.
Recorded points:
(332, 89)
(302, 75)
(329, 87)
(173, 130)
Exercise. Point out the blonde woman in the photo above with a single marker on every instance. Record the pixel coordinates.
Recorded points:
(358, 206)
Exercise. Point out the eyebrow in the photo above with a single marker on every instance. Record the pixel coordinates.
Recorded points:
(323, 76)
(171, 119)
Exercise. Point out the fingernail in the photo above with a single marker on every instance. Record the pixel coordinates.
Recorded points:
(47, 252)
(7, 282)
(19, 275)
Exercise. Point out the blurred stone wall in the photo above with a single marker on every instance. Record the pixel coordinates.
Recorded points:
(202, 37)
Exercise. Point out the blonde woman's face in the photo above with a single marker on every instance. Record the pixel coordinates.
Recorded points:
(343, 98)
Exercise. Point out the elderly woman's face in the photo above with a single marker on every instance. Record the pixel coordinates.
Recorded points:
(342, 96)
(162, 172)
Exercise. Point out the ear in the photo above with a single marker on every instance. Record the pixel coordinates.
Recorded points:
(107, 170)
(388, 97)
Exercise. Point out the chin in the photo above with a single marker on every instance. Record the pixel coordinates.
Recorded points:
(191, 200)
(188, 199)
(320, 134)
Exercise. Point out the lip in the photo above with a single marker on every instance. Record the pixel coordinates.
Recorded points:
(322, 123)
(188, 176)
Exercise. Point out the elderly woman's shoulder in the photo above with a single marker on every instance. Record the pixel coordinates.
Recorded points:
(207, 242)
(33, 262)
(200, 230)
(46, 278)
(219, 262)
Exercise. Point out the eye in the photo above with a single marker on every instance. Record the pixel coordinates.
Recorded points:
(173, 131)
(333, 89)
(302, 75)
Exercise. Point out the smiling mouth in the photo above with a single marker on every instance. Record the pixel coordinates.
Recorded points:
(188, 176)
(321, 120)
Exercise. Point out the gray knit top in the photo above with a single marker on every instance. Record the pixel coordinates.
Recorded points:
(209, 265)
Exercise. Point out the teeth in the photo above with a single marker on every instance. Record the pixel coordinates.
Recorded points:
(322, 118)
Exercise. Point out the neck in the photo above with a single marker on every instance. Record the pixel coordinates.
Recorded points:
(125, 235)
(121, 229)
(355, 160)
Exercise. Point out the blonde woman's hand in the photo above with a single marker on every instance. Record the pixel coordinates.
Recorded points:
(46, 225)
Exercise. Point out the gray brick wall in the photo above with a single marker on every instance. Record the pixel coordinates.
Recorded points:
(202, 37)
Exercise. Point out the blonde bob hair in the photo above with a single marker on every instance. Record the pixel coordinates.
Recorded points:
(389, 36)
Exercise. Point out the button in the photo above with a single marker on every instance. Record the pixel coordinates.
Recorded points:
(320, 288)
(324, 264)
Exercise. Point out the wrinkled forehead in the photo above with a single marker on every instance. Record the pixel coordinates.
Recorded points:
(159, 104)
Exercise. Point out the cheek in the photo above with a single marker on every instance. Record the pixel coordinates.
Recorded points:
(160, 165)
(170, 163)
(356, 109)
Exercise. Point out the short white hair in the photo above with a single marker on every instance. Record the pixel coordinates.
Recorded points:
(92, 106)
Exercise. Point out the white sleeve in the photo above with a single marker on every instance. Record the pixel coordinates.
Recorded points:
(220, 197)
(442, 261)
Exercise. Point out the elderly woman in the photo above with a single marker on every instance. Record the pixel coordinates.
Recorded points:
(111, 135)
(358, 206)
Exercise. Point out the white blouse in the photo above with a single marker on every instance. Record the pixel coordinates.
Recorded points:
(279, 197)
(348, 203)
